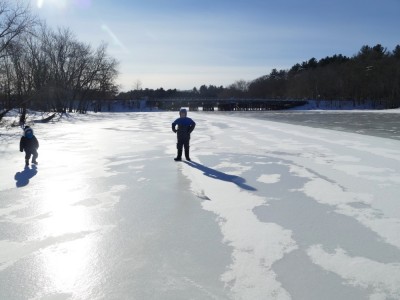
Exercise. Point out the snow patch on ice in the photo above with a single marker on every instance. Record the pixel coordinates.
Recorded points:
(269, 178)
(141, 179)
(384, 175)
(234, 168)
(329, 193)
(360, 271)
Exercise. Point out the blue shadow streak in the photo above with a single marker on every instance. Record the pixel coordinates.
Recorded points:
(239, 181)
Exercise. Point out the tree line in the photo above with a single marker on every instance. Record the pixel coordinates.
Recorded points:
(47, 69)
(372, 75)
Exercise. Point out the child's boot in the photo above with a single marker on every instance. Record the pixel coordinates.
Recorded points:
(187, 154)
(179, 156)
(26, 162)
(35, 162)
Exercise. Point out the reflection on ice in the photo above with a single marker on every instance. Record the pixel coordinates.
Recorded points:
(57, 201)
(69, 268)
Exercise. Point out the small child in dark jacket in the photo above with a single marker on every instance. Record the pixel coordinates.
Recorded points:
(185, 127)
(29, 144)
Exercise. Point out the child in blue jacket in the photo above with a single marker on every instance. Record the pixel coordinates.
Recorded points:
(185, 127)
(29, 144)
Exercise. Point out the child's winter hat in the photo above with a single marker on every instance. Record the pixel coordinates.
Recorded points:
(183, 111)
(28, 132)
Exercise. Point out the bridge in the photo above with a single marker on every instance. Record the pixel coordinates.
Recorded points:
(225, 104)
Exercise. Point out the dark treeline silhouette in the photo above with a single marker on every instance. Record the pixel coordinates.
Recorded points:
(204, 91)
(372, 75)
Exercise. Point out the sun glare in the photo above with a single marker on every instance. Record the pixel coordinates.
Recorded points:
(60, 195)
(59, 201)
(70, 267)
(59, 4)
(39, 3)
(68, 226)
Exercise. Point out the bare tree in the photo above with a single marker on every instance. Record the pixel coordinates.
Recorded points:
(240, 85)
(98, 77)
(77, 74)
(15, 19)
(137, 85)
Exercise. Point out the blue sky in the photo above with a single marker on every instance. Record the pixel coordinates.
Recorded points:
(187, 43)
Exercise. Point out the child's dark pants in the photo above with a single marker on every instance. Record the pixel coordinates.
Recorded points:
(33, 153)
(183, 144)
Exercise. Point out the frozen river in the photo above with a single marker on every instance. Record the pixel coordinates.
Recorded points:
(385, 123)
(266, 210)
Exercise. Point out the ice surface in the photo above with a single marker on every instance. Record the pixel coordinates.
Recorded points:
(265, 210)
